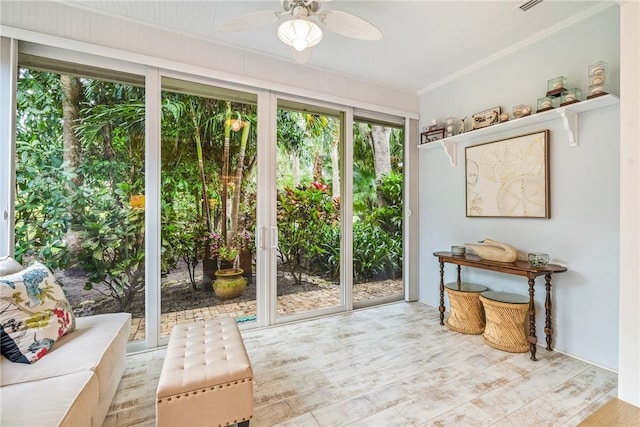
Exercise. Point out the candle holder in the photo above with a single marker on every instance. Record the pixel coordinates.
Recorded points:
(538, 260)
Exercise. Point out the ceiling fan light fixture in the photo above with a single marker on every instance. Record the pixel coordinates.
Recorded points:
(300, 34)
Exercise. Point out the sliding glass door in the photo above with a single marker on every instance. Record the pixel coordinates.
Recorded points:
(142, 194)
(308, 176)
(208, 203)
(79, 176)
(378, 181)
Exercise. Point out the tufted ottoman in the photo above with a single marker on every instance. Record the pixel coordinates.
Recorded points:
(206, 377)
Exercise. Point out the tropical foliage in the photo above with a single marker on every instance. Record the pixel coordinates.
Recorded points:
(80, 164)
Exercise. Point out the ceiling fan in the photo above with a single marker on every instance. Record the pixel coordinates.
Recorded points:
(302, 31)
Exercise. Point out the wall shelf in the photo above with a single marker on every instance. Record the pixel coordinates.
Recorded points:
(568, 114)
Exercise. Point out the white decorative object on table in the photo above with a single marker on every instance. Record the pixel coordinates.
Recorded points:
(492, 250)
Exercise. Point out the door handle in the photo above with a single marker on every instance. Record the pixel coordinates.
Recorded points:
(261, 237)
(274, 237)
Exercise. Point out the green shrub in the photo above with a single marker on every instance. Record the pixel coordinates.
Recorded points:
(113, 245)
(304, 215)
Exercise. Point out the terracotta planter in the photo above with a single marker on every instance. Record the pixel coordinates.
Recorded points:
(229, 283)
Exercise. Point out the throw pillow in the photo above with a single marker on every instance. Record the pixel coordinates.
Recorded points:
(34, 313)
(9, 265)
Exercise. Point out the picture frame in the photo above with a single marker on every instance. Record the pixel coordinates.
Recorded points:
(486, 118)
(431, 135)
(508, 178)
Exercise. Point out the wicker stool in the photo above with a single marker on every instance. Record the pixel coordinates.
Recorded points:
(506, 315)
(466, 314)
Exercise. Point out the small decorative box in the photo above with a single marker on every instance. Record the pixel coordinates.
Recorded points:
(570, 96)
(599, 68)
(546, 103)
(556, 86)
(597, 90)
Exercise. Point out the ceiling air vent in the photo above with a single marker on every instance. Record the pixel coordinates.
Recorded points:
(528, 5)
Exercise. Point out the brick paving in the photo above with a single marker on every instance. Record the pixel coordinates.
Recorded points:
(324, 297)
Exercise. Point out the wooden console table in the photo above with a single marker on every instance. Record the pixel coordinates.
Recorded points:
(518, 268)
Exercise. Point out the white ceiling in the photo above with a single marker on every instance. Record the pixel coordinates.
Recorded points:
(425, 43)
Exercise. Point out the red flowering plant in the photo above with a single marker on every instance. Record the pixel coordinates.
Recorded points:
(305, 215)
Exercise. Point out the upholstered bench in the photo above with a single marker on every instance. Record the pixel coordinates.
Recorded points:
(206, 377)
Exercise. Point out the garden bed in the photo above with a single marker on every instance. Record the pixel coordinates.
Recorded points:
(176, 292)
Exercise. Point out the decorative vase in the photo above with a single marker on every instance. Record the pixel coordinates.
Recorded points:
(229, 283)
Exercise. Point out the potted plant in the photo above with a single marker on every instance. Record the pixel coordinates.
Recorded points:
(230, 282)
(221, 270)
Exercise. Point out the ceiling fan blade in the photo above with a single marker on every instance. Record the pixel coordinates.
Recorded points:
(349, 25)
(251, 21)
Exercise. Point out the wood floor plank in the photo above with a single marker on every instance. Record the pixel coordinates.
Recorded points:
(614, 413)
(591, 409)
(392, 365)
(559, 404)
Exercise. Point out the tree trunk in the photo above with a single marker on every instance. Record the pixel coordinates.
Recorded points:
(335, 166)
(380, 136)
(317, 168)
(72, 156)
(72, 92)
(225, 173)
(295, 169)
(235, 214)
(195, 118)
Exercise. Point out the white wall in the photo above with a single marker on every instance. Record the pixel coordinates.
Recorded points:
(629, 373)
(583, 231)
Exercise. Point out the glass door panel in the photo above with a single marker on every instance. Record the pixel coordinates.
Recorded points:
(208, 203)
(308, 211)
(79, 205)
(377, 213)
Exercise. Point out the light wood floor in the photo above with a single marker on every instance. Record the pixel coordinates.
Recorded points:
(392, 365)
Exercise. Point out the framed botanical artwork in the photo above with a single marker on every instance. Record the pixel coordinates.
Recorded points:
(509, 177)
(485, 118)
(431, 135)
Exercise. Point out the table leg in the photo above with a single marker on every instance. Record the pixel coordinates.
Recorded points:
(548, 329)
(533, 339)
(441, 308)
(459, 268)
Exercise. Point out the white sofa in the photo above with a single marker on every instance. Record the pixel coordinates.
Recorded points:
(74, 384)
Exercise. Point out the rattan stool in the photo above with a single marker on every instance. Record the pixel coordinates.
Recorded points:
(506, 315)
(466, 313)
